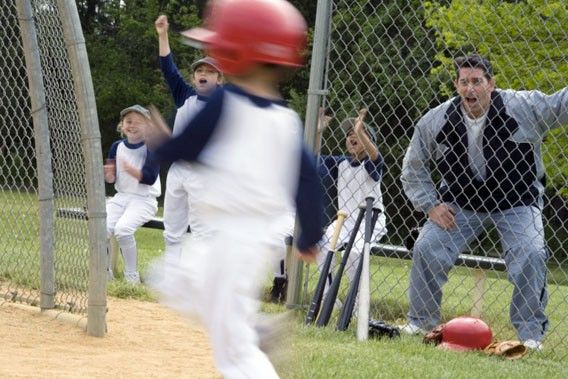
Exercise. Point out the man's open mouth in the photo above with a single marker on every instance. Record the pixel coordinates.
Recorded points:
(471, 100)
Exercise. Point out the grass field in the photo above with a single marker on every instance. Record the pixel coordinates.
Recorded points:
(323, 352)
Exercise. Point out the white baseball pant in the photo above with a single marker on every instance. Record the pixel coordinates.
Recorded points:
(125, 214)
(218, 283)
(182, 187)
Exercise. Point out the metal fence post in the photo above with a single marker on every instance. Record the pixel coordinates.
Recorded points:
(315, 92)
(43, 153)
(91, 143)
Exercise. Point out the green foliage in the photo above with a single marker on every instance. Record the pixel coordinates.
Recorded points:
(525, 55)
(123, 54)
(380, 57)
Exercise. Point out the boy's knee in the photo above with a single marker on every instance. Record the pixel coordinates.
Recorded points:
(123, 232)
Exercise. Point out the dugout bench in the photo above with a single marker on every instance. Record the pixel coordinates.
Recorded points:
(81, 214)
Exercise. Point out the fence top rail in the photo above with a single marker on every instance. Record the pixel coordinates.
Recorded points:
(81, 214)
(379, 249)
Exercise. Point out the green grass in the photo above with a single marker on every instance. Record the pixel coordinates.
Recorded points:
(389, 301)
(321, 352)
(325, 353)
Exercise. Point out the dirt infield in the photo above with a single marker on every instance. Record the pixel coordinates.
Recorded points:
(144, 340)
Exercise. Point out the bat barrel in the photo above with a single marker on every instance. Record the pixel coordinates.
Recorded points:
(364, 290)
(329, 301)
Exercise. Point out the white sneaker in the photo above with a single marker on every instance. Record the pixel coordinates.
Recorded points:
(534, 345)
(411, 329)
(132, 277)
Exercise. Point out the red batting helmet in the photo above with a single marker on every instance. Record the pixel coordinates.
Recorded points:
(466, 333)
(238, 33)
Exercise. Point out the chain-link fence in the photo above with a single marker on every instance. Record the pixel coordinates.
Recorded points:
(49, 147)
(396, 59)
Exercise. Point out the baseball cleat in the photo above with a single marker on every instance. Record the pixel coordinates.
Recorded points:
(411, 329)
(533, 345)
(132, 277)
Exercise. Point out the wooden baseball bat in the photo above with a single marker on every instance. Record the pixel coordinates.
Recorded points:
(320, 287)
(349, 304)
(329, 301)
(364, 290)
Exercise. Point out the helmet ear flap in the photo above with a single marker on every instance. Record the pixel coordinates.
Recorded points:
(232, 58)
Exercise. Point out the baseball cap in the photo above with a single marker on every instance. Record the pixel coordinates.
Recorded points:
(349, 123)
(206, 60)
(135, 108)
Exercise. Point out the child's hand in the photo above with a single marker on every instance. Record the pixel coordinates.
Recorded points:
(110, 170)
(162, 25)
(157, 131)
(309, 255)
(323, 120)
(131, 170)
(359, 124)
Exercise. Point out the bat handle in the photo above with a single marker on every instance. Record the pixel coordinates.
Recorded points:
(341, 216)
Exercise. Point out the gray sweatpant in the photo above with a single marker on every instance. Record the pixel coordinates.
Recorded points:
(522, 241)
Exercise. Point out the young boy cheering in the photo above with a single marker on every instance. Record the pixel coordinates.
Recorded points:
(182, 185)
(136, 180)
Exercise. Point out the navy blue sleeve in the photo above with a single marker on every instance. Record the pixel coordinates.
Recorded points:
(309, 203)
(189, 144)
(150, 170)
(113, 148)
(179, 88)
(328, 171)
(327, 166)
(375, 168)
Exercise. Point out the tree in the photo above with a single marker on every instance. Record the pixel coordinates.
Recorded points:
(381, 54)
(525, 55)
(526, 43)
(123, 54)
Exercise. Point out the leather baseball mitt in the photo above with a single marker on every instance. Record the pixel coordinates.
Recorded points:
(507, 349)
(434, 336)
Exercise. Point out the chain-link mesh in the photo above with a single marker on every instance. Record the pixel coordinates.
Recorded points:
(396, 59)
(20, 253)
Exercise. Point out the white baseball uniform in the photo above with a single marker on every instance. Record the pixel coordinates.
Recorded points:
(250, 156)
(134, 203)
(354, 182)
(182, 183)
